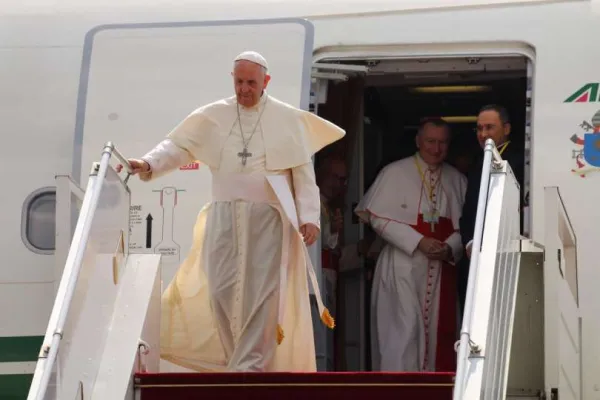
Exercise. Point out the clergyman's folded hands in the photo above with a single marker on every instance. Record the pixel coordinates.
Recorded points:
(435, 249)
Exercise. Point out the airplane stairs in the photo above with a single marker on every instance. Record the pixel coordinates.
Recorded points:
(102, 339)
(294, 386)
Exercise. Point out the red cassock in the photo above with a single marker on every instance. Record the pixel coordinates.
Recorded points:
(445, 359)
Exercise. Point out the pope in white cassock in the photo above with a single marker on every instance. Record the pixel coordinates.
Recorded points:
(414, 205)
(240, 301)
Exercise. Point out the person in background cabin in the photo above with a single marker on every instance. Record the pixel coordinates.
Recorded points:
(332, 177)
(493, 122)
(462, 160)
(243, 286)
(414, 205)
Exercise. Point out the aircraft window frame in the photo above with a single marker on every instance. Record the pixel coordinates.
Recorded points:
(28, 209)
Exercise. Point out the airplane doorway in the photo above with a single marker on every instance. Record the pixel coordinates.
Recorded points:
(380, 107)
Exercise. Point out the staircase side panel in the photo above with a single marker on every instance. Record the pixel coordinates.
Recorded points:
(484, 272)
(136, 316)
(562, 331)
(91, 309)
(504, 290)
(495, 289)
(526, 369)
(569, 331)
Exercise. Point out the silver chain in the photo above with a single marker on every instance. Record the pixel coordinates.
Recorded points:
(255, 126)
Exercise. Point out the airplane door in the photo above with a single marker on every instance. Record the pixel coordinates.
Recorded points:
(562, 327)
(138, 81)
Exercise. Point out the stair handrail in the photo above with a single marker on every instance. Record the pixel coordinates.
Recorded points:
(490, 156)
(66, 289)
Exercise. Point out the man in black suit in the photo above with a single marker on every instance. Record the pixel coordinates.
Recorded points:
(493, 122)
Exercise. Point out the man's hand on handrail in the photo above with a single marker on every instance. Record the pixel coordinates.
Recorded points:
(137, 166)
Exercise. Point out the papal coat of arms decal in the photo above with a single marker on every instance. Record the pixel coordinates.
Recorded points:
(587, 153)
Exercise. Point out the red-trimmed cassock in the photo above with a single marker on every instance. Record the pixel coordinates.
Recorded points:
(413, 304)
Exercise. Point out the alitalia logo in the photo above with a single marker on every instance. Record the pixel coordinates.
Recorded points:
(588, 93)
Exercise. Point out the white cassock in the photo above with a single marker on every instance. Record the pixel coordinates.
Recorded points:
(240, 301)
(413, 304)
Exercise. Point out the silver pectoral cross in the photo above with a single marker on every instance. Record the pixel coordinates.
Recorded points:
(244, 155)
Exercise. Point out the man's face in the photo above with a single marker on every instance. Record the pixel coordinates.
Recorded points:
(249, 80)
(335, 180)
(433, 144)
(490, 126)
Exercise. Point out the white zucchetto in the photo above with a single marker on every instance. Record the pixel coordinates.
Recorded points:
(254, 57)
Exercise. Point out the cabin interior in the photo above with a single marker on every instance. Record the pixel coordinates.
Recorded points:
(380, 102)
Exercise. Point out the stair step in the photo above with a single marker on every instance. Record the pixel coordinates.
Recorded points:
(295, 386)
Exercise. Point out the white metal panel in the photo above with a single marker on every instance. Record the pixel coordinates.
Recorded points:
(34, 104)
(88, 321)
(504, 289)
(526, 369)
(69, 199)
(495, 290)
(139, 81)
(137, 307)
(562, 333)
(305, 7)
(569, 350)
(21, 300)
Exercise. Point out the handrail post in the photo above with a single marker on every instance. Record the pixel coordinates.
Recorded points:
(109, 146)
(490, 156)
(54, 332)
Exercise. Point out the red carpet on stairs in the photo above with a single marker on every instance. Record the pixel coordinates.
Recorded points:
(296, 386)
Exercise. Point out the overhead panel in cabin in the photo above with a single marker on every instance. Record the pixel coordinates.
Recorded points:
(441, 65)
(323, 73)
(389, 71)
(374, 65)
(336, 72)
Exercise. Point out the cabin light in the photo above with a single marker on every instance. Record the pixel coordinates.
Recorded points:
(460, 119)
(451, 89)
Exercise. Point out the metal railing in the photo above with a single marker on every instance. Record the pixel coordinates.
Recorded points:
(54, 332)
(491, 156)
(69, 199)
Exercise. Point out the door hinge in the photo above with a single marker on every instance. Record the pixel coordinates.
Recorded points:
(559, 256)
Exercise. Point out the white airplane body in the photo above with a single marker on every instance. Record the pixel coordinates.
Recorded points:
(78, 74)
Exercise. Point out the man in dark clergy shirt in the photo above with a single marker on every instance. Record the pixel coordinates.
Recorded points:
(493, 122)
